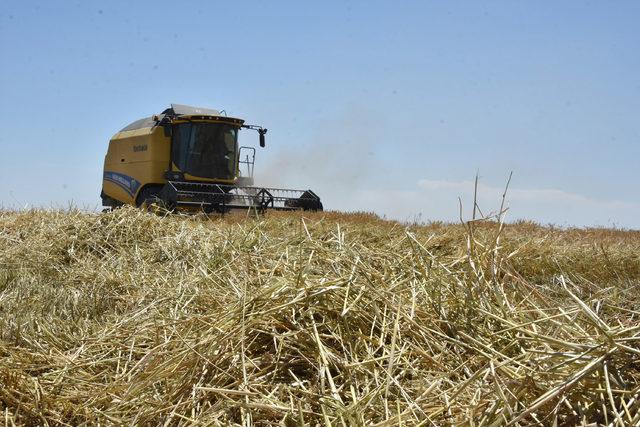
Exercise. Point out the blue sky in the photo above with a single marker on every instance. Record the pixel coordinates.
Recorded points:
(390, 107)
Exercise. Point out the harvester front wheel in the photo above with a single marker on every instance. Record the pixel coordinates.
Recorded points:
(149, 199)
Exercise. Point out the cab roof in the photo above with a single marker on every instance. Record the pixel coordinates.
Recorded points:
(187, 110)
(176, 111)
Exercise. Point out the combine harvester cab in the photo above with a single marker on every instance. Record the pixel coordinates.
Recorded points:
(188, 159)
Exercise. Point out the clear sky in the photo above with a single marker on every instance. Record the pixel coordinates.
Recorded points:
(383, 106)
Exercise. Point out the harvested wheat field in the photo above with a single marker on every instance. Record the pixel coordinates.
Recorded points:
(314, 319)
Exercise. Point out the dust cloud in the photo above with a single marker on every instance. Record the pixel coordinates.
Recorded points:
(338, 159)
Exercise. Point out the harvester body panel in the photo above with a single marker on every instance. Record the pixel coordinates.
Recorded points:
(135, 159)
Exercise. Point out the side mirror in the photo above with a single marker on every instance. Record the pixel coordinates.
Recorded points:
(262, 132)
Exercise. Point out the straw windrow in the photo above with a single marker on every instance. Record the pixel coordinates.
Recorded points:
(325, 319)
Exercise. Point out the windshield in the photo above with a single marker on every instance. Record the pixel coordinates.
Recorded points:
(206, 150)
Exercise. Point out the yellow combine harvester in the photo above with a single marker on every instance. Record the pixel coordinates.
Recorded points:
(187, 158)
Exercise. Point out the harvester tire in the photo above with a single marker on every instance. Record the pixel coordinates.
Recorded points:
(149, 197)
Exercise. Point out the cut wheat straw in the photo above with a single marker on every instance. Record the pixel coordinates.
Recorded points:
(325, 319)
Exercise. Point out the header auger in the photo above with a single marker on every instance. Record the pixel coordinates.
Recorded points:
(188, 159)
